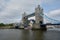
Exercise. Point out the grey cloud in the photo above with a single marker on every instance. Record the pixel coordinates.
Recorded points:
(3, 4)
(9, 20)
(54, 14)
(11, 15)
(13, 9)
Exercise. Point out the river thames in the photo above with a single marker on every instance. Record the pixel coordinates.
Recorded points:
(20, 34)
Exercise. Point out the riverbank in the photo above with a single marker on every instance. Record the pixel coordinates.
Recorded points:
(6, 27)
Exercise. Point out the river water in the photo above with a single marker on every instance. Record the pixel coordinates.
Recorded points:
(19, 34)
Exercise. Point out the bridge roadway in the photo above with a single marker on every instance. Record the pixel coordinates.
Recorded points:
(49, 24)
(45, 25)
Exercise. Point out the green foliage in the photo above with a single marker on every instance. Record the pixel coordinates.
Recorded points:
(2, 24)
(10, 24)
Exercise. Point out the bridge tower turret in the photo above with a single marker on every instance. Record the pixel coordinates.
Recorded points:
(38, 15)
(24, 18)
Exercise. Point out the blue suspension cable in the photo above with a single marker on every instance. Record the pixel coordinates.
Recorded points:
(50, 18)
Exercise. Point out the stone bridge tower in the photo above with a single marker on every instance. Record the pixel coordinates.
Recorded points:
(24, 18)
(38, 16)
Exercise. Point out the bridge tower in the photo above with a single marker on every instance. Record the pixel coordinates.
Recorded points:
(24, 18)
(38, 17)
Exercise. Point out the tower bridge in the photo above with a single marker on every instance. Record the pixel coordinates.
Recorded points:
(38, 18)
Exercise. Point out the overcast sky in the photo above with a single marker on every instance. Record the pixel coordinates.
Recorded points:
(11, 10)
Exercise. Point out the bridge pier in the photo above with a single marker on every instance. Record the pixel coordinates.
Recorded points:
(43, 27)
(36, 26)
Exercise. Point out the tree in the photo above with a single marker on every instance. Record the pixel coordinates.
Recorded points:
(2, 24)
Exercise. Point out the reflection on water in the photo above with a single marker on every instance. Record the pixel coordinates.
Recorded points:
(32, 35)
(16, 34)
